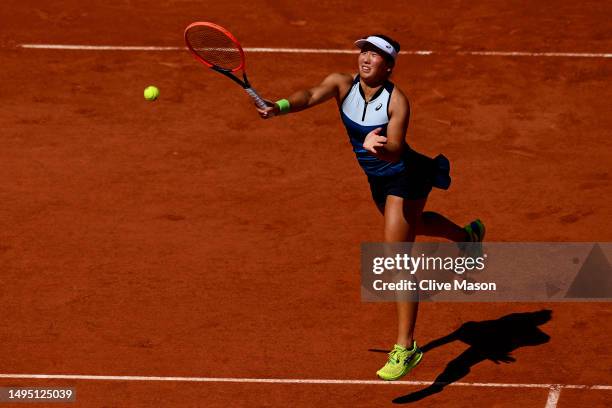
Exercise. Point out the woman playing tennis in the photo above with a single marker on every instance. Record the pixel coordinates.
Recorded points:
(375, 113)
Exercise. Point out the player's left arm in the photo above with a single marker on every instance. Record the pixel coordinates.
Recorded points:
(390, 147)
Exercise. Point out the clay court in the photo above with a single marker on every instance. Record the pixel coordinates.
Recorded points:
(186, 253)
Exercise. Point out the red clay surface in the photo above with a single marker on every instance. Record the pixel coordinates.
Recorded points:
(186, 237)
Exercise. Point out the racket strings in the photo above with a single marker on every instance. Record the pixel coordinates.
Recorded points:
(214, 47)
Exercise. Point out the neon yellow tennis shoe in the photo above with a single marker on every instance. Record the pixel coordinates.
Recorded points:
(401, 361)
(475, 231)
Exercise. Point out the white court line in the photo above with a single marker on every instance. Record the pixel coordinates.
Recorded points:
(321, 51)
(537, 54)
(99, 47)
(553, 397)
(290, 381)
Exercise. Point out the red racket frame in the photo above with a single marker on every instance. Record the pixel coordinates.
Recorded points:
(224, 31)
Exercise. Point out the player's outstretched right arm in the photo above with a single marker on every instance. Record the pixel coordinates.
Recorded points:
(307, 98)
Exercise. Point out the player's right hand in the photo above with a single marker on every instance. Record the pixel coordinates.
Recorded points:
(269, 112)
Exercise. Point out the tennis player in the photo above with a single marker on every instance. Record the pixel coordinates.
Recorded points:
(375, 113)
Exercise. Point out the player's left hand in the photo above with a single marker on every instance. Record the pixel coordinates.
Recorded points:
(374, 140)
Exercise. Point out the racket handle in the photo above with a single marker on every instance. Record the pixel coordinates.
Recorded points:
(261, 104)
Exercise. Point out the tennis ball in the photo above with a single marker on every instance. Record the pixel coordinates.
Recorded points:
(151, 93)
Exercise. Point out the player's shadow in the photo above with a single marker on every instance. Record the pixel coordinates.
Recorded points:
(493, 340)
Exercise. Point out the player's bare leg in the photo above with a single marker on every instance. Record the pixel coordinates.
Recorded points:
(433, 224)
(401, 220)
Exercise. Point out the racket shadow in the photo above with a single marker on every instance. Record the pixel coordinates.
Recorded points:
(492, 340)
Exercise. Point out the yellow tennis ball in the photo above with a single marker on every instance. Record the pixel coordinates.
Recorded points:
(151, 93)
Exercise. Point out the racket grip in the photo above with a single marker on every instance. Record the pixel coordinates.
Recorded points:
(261, 104)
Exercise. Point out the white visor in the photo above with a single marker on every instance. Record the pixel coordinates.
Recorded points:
(379, 43)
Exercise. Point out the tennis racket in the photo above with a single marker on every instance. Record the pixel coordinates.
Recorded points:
(218, 49)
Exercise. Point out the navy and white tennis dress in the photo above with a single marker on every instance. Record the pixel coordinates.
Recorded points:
(413, 176)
